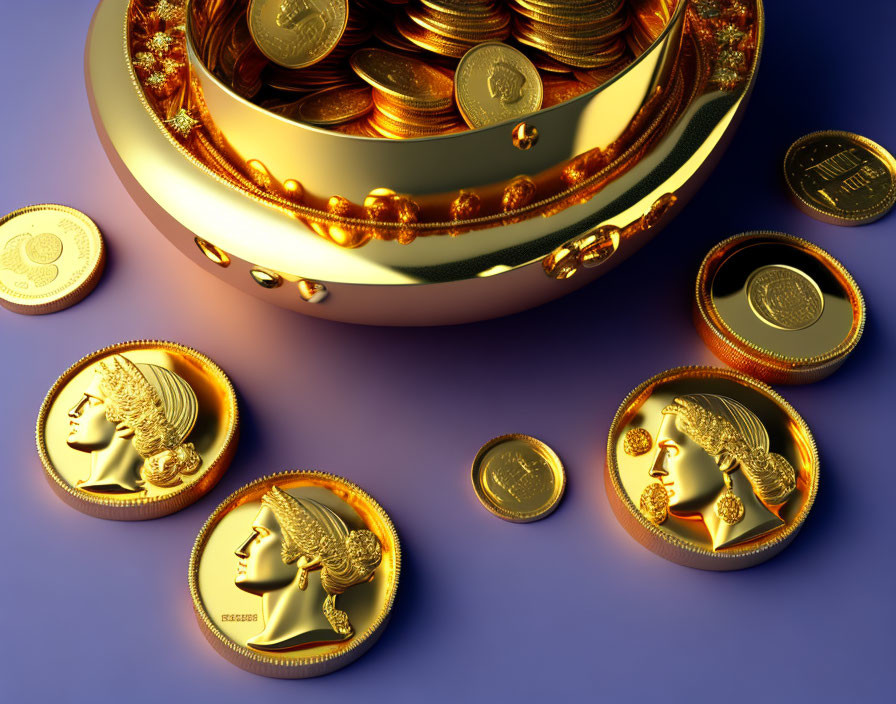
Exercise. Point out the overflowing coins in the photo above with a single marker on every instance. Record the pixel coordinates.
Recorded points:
(389, 68)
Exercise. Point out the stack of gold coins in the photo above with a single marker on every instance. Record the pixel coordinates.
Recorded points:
(452, 27)
(260, 49)
(332, 107)
(411, 98)
(330, 71)
(580, 33)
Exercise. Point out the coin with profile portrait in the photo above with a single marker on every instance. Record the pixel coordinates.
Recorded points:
(137, 430)
(730, 474)
(495, 82)
(294, 575)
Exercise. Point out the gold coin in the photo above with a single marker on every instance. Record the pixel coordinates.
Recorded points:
(51, 257)
(294, 575)
(137, 430)
(732, 475)
(518, 478)
(408, 80)
(297, 33)
(495, 82)
(332, 106)
(777, 307)
(840, 177)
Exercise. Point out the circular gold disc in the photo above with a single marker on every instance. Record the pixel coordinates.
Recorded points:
(297, 33)
(518, 478)
(333, 106)
(410, 81)
(294, 575)
(731, 475)
(840, 177)
(777, 307)
(51, 257)
(137, 430)
(495, 82)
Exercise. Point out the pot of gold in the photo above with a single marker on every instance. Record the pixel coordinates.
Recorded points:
(420, 162)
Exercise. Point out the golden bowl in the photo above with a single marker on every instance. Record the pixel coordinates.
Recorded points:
(434, 230)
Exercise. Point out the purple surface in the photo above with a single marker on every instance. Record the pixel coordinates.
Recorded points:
(567, 607)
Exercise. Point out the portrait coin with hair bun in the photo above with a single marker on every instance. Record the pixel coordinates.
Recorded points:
(137, 430)
(51, 257)
(495, 82)
(730, 475)
(294, 575)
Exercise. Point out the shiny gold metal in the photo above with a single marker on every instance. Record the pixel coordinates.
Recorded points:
(333, 105)
(589, 250)
(215, 254)
(265, 278)
(196, 186)
(518, 478)
(637, 442)
(777, 307)
(525, 136)
(137, 430)
(51, 257)
(297, 33)
(311, 291)
(294, 575)
(494, 83)
(731, 476)
(408, 80)
(840, 177)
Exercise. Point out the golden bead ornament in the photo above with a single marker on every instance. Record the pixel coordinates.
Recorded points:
(731, 475)
(295, 574)
(137, 430)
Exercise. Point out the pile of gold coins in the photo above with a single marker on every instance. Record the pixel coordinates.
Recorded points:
(388, 68)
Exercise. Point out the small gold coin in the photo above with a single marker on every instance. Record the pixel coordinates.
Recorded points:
(51, 257)
(332, 106)
(137, 430)
(732, 474)
(297, 33)
(294, 575)
(518, 478)
(412, 82)
(840, 177)
(495, 82)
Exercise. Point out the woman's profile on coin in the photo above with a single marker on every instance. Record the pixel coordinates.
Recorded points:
(137, 430)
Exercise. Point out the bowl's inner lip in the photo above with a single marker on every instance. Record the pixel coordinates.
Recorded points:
(673, 21)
